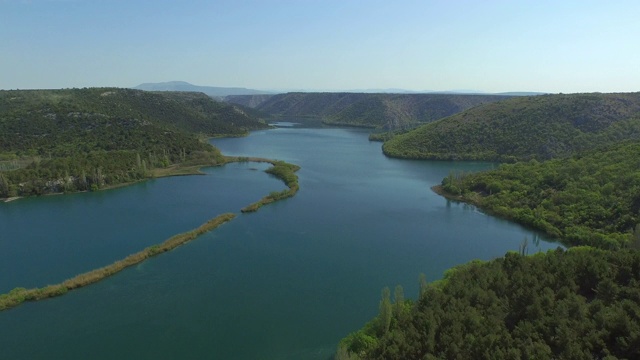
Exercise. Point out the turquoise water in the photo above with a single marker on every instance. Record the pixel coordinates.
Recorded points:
(286, 282)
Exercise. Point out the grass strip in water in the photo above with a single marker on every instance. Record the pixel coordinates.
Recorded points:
(19, 295)
(285, 172)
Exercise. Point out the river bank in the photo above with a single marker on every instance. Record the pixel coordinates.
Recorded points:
(283, 171)
(360, 222)
(19, 295)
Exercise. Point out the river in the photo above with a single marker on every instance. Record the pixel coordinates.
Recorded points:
(287, 282)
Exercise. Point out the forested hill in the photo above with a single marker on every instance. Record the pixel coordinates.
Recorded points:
(390, 111)
(588, 199)
(76, 139)
(251, 101)
(193, 112)
(575, 304)
(539, 127)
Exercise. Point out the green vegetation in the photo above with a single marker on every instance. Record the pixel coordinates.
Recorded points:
(578, 304)
(19, 295)
(88, 139)
(280, 169)
(382, 137)
(575, 304)
(283, 171)
(251, 101)
(523, 128)
(391, 111)
(55, 141)
(589, 199)
(387, 135)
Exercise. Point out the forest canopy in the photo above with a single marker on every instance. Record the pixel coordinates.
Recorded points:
(576, 177)
(587, 199)
(523, 128)
(575, 304)
(83, 139)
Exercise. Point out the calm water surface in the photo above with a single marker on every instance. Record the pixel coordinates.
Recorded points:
(286, 282)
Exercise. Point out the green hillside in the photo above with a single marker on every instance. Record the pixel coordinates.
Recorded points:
(399, 111)
(588, 199)
(575, 304)
(79, 139)
(539, 127)
(385, 111)
(251, 101)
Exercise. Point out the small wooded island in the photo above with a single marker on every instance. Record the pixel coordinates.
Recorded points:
(570, 169)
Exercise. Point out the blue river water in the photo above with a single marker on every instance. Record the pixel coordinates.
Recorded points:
(287, 282)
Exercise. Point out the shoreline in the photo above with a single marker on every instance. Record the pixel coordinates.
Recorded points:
(284, 171)
(173, 170)
(19, 295)
(461, 199)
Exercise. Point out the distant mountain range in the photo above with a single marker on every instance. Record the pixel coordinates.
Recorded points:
(213, 91)
(220, 92)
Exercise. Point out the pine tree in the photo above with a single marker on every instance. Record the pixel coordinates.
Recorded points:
(423, 285)
(385, 311)
(398, 296)
(635, 238)
(144, 168)
(4, 186)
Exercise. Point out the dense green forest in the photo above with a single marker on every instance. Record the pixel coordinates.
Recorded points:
(577, 304)
(578, 180)
(587, 199)
(522, 128)
(83, 139)
(388, 111)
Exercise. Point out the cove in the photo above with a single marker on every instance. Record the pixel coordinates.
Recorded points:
(286, 282)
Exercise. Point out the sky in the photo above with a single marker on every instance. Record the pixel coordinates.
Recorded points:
(324, 45)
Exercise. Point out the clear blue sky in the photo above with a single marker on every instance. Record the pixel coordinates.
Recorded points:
(484, 45)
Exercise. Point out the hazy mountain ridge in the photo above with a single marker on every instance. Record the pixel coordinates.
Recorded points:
(252, 101)
(213, 91)
(538, 127)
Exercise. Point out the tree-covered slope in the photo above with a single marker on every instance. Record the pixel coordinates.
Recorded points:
(207, 116)
(77, 139)
(588, 199)
(251, 101)
(29, 115)
(576, 304)
(307, 104)
(390, 111)
(539, 127)
(400, 111)
(583, 303)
